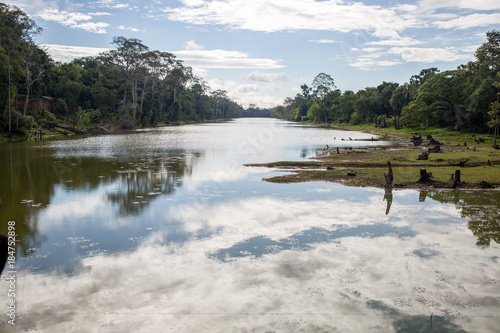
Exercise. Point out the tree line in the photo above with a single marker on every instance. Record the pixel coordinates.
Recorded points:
(465, 99)
(125, 87)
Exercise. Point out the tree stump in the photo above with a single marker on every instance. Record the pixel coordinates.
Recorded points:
(424, 176)
(389, 177)
(423, 157)
(457, 176)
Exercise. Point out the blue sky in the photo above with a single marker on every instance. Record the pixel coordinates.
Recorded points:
(261, 51)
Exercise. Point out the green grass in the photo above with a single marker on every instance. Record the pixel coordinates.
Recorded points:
(483, 165)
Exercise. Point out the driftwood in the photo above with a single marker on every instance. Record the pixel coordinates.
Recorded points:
(461, 163)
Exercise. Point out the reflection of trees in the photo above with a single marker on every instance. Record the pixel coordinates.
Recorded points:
(29, 176)
(150, 179)
(23, 180)
(481, 208)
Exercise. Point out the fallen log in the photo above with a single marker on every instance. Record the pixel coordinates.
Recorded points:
(71, 129)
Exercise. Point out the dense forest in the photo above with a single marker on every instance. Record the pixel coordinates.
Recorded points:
(126, 87)
(133, 86)
(465, 99)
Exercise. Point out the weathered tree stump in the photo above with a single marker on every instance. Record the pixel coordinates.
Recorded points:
(435, 149)
(389, 177)
(417, 140)
(457, 176)
(423, 157)
(424, 176)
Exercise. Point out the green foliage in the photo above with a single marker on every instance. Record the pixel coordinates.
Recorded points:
(60, 107)
(45, 118)
(315, 113)
(457, 100)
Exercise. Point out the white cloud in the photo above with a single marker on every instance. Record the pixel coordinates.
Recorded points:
(294, 15)
(370, 62)
(402, 41)
(245, 94)
(462, 4)
(470, 21)
(121, 27)
(192, 46)
(73, 20)
(323, 41)
(65, 53)
(100, 14)
(194, 55)
(267, 77)
(427, 54)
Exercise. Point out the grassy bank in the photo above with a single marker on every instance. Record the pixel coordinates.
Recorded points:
(479, 163)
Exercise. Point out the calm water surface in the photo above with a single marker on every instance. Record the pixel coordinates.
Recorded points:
(165, 230)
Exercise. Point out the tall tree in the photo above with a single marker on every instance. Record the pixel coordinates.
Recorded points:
(15, 28)
(129, 55)
(321, 86)
(481, 75)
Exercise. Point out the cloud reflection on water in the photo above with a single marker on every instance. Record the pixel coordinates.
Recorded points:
(377, 280)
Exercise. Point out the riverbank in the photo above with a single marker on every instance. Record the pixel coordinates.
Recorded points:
(477, 162)
(63, 130)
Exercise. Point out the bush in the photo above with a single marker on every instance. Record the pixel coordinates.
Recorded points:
(45, 118)
(60, 107)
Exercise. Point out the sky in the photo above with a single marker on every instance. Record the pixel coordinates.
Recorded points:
(262, 51)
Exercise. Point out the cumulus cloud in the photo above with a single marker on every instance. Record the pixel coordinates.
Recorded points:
(194, 55)
(402, 41)
(470, 21)
(427, 54)
(462, 4)
(121, 27)
(267, 77)
(323, 41)
(65, 53)
(293, 15)
(73, 20)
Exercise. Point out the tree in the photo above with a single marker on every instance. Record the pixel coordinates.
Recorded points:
(15, 28)
(399, 99)
(130, 56)
(321, 86)
(481, 74)
(439, 102)
(34, 68)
